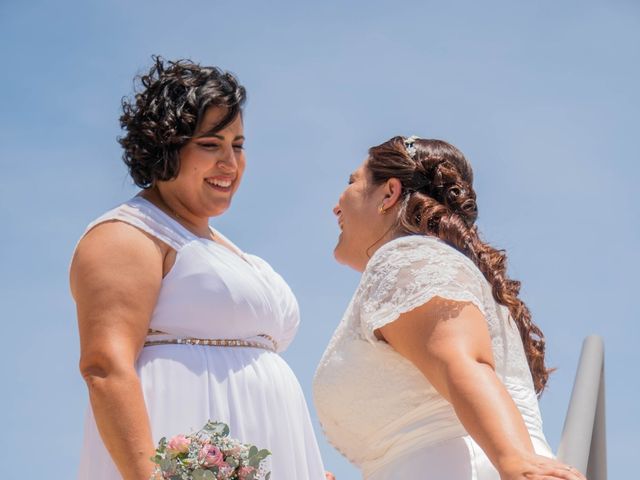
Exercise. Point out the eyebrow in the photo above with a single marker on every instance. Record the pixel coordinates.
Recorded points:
(219, 137)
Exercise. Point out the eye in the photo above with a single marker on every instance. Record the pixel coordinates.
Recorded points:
(209, 146)
(239, 147)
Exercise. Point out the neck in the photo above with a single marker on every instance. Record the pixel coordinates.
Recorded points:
(390, 234)
(176, 209)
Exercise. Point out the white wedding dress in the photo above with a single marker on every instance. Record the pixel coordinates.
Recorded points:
(376, 407)
(214, 293)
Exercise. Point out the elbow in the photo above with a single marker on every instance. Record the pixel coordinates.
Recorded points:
(465, 368)
(92, 370)
(465, 372)
(97, 369)
(470, 363)
(485, 364)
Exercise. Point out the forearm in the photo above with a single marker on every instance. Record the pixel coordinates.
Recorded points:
(121, 416)
(487, 411)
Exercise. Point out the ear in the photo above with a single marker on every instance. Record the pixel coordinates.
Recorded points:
(392, 192)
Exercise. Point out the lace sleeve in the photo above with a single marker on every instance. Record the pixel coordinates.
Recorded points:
(408, 272)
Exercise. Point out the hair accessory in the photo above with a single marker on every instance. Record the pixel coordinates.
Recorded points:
(409, 145)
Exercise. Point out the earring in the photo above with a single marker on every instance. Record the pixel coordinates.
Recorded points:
(381, 209)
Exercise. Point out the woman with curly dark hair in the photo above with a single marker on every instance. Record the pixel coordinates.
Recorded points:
(437, 359)
(177, 324)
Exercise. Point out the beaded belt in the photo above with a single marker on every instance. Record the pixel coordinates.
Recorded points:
(210, 342)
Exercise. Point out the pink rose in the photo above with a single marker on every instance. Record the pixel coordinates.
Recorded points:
(178, 444)
(244, 472)
(211, 456)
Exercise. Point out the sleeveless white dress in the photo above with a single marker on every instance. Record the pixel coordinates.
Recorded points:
(214, 293)
(388, 419)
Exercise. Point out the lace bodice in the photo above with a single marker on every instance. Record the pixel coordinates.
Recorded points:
(374, 404)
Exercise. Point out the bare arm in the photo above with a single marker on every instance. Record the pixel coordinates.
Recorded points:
(449, 343)
(115, 279)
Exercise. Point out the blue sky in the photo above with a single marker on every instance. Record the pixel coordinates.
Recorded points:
(542, 97)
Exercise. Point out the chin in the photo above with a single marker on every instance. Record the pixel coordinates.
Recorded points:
(337, 255)
(218, 209)
(340, 256)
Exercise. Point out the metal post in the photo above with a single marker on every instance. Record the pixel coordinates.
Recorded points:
(583, 441)
(597, 467)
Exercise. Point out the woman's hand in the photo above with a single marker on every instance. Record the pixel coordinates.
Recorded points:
(449, 342)
(329, 476)
(536, 467)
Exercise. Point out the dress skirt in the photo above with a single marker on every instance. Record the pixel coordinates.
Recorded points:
(251, 389)
(458, 458)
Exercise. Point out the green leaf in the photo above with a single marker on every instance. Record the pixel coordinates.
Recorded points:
(167, 464)
(198, 474)
(216, 428)
(162, 446)
(262, 454)
(255, 456)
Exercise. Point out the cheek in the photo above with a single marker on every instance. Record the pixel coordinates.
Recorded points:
(342, 200)
(356, 207)
(242, 165)
(190, 163)
(346, 203)
(240, 172)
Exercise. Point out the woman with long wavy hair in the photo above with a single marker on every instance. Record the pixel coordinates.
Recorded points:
(437, 360)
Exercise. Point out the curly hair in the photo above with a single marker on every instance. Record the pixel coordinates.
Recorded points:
(439, 200)
(165, 114)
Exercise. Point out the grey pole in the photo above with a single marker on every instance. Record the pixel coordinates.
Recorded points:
(597, 468)
(583, 441)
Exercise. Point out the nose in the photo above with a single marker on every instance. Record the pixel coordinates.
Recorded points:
(336, 210)
(228, 160)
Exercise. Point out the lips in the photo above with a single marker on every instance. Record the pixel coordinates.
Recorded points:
(219, 183)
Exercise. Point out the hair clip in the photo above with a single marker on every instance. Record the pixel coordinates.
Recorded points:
(409, 145)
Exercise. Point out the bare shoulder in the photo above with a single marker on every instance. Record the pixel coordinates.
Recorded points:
(115, 277)
(115, 249)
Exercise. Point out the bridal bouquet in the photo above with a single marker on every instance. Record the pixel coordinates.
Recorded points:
(209, 454)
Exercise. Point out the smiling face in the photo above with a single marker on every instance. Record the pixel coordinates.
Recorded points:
(211, 168)
(364, 228)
